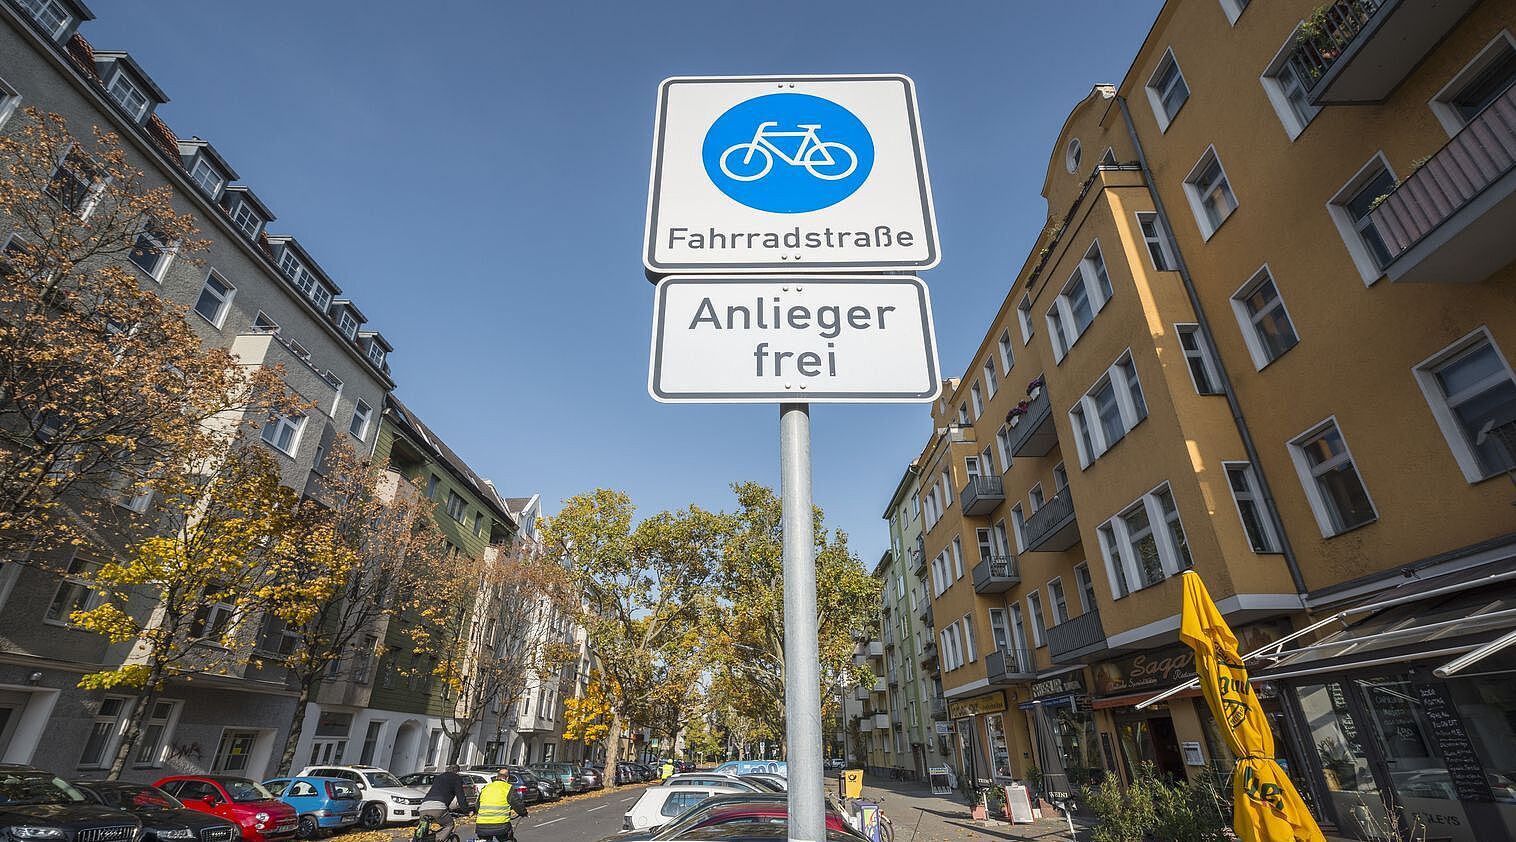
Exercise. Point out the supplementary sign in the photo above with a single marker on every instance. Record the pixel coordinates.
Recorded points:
(796, 338)
(799, 173)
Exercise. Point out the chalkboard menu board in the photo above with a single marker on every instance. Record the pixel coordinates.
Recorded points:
(1453, 743)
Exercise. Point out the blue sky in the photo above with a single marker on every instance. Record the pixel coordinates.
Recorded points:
(475, 174)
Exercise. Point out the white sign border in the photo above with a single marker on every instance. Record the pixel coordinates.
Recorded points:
(655, 171)
(655, 348)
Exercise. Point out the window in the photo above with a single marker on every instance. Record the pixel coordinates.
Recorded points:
(968, 637)
(376, 354)
(1336, 492)
(1250, 507)
(1036, 497)
(206, 176)
(1157, 238)
(1287, 90)
(1058, 601)
(431, 487)
(1197, 353)
(304, 280)
(149, 251)
(1210, 194)
(127, 95)
(1471, 391)
(359, 425)
(1071, 155)
(75, 593)
(1084, 295)
(1350, 209)
(1266, 325)
(947, 484)
(99, 746)
(456, 508)
(1018, 628)
(1003, 444)
(1145, 543)
(1233, 9)
(986, 548)
(1018, 523)
(247, 219)
(957, 558)
(1086, 587)
(1108, 411)
(73, 183)
(235, 751)
(213, 618)
(1007, 357)
(1479, 83)
(678, 802)
(1024, 317)
(282, 432)
(49, 14)
(1039, 628)
(963, 417)
(275, 636)
(1060, 478)
(153, 743)
(987, 461)
(1167, 91)
(976, 395)
(214, 299)
(347, 324)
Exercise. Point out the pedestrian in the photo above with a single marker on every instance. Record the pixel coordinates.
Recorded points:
(497, 801)
(667, 770)
(446, 789)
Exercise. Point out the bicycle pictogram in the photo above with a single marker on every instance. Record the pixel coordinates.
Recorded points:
(827, 160)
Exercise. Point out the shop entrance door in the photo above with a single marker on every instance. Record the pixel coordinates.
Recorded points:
(1151, 740)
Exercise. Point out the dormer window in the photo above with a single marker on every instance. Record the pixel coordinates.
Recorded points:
(376, 355)
(247, 219)
(206, 176)
(303, 280)
(49, 14)
(128, 95)
(347, 324)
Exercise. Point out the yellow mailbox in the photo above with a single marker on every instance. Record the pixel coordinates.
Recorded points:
(852, 783)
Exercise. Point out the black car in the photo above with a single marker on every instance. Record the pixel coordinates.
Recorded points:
(164, 818)
(528, 790)
(551, 790)
(35, 804)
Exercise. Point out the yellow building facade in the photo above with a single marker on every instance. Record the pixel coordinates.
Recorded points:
(1266, 336)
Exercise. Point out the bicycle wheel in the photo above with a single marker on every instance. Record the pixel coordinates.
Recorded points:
(843, 161)
(886, 829)
(747, 167)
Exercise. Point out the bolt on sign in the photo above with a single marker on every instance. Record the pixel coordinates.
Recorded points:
(777, 173)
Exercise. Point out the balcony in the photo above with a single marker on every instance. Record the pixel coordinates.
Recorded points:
(861, 693)
(939, 708)
(1073, 641)
(1450, 221)
(918, 557)
(982, 495)
(1033, 433)
(882, 721)
(1052, 528)
(871, 649)
(1363, 49)
(929, 654)
(866, 723)
(894, 678)
(879, 685)
(1009, 666)
(996, 574)
(924, 614)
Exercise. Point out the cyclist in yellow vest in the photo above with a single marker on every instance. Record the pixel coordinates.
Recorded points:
(667, 770)
(497, 801)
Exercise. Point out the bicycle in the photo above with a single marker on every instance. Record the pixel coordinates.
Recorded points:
(427, 828)
(813, 154)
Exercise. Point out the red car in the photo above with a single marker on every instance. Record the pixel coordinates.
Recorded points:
(259, 813)
(739, 812)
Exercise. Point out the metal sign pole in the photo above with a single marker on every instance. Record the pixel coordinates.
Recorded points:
(802, 671)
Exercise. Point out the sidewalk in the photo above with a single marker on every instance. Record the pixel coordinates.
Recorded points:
(920, 816)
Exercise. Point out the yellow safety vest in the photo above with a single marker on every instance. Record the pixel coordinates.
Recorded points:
(495, 803)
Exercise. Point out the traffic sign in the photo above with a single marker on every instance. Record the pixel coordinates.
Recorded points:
(788, 173)
(793, 339)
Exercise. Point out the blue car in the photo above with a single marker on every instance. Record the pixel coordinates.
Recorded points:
(323, 804)
(751, 767)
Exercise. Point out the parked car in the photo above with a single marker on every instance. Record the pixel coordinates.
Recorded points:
(35, 804)
(550, 790)
(164, 818)
(385, 798)
(626, 773)
(748, 767)
(472, 783)
(835, 763)
(768, 783)
(706, 819)
(709, 779)
(593, 777)
(563, 773)
(321, 803)
(261, 816)
(660, 805)
(530, 793)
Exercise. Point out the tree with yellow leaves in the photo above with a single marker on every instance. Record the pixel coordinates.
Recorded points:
(587, 719)
(103, 383)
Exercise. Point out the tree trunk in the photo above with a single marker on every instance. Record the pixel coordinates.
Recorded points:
(455, 750)
(141, 706)
(297, 725)
(612, 749)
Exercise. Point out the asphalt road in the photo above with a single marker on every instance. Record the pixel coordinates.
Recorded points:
(584, 818)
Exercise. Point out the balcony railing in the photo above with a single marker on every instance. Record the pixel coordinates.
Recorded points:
(1073, 641)
(866, 723)
(879, 685)
(882, 721)
(1451, 219)
(1052, 528)
(1359, 51)
(1008, 666)
(924, 614)
(996, 574)
(939, 708)
(981, 495)
(1033, 434)
(929, 653)
(918, 556)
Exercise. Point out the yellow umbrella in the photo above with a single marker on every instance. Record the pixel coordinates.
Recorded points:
(1266, 807)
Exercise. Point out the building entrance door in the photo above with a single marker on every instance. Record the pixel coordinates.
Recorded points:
(1150, 739)
(12, 704)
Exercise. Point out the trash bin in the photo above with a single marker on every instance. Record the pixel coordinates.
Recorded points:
(852, 783)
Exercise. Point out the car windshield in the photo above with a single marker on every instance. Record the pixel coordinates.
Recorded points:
(243, 790)
(130, 797)
(19, 788)
(381, 779)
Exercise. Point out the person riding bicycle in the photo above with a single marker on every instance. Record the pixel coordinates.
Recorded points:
(446, 788)
(497, 801)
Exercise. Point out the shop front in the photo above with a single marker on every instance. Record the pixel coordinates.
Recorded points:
(981, 745)
(1060, 719)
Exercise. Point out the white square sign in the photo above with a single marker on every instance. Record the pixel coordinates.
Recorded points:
(793, 338)
(788, 173)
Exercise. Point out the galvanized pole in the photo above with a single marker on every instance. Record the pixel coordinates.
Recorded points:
(802, 671)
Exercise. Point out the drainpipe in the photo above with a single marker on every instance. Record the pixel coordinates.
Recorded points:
(1238, 419)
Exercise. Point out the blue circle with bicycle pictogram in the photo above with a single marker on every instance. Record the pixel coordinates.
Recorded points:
(788, 153)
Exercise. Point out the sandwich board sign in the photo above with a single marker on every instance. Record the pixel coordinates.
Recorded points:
(788, 173)
(793, 339)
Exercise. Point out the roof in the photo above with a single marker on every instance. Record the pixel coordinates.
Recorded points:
(246, 193)
(199, 144)
(438, 448)
(125, 58)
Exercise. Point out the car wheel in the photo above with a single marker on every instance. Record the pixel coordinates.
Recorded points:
(308, 828)
(372, 817)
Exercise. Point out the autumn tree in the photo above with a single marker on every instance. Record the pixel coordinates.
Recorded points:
(586, 719)
(640, 583)
(188, 596)
(749, 632)
(102, 381)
